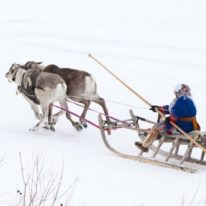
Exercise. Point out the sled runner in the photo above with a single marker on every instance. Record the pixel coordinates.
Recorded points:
(171, 157)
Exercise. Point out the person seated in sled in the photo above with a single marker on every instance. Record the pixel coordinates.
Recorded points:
(182, 111)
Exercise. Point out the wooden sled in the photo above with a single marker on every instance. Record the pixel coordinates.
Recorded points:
(171, 157)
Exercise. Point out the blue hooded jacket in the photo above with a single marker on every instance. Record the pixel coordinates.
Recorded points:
(183, 106)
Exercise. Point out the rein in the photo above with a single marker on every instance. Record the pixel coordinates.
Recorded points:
(96, 125)
(111, 117)
(106, 100)
(76, 115)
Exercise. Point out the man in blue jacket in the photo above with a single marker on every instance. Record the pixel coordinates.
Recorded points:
(182, 112)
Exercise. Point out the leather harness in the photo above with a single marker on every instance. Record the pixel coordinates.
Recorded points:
(29, 91)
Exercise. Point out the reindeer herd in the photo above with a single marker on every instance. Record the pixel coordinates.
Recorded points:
(43, 85)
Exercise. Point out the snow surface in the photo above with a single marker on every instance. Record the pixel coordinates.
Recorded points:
(151, 45)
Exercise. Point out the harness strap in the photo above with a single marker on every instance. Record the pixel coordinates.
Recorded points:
(196, 125)
(30, 96)
(29, 91)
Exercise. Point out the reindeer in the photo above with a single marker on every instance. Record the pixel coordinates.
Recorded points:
(40, 88)
(81, 87)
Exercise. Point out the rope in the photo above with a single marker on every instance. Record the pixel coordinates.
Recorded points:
(111, 117)
(107, 100)
(127, 105)
(76, 115)
(92, 123)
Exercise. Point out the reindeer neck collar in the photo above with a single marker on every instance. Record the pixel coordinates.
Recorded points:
(19, 76)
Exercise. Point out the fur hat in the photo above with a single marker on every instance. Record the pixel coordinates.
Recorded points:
(182, 90)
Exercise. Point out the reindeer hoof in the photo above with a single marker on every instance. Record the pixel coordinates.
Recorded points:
(49, 127)
(53, 121)
(52, 128)
(38, 117)
(83, 123)
(33, 129)
(77, 126)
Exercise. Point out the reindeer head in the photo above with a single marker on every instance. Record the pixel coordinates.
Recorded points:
(33, 65)
(11, 74)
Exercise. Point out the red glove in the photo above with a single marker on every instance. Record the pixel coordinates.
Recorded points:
(170, 118)
(154, 107)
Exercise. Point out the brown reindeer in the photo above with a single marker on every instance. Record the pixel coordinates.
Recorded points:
(81, 87)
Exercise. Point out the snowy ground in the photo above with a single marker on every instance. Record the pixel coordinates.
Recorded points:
(151, 45)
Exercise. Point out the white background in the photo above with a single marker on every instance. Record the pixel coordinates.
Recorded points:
(151, 45)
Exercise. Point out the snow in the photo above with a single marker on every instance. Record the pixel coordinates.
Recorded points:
(150, 45)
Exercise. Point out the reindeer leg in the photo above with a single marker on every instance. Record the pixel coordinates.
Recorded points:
(50, 114)
(50, 125)
(101, 102)
(76, 125)
(86, 107)
(35, 108)
(45, 111)
(56, 117)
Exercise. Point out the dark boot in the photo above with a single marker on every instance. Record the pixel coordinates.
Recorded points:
(139, 145)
